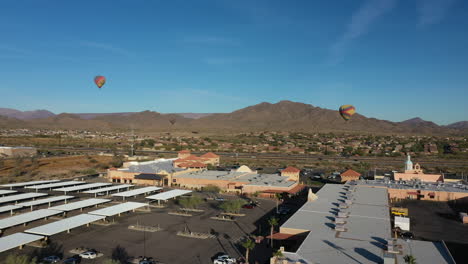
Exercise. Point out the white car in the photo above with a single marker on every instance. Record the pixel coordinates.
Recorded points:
(88, 255)
(224, 259)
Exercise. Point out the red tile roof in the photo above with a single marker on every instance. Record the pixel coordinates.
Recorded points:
(350, 173)
(294, 190)
(280, 236)
(291, 169)
(184, 151)
(209, 155)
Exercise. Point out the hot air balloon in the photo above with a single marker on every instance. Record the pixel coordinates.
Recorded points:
(346, 111)
(99, 81)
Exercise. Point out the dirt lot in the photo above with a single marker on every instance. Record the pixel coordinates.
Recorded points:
(59, 167)
(437, 221)
(165, 246)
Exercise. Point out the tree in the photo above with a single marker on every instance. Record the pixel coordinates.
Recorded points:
(117, 161)
(278, 254)
(52, 249)
(232, 206)
(248, 245)
(190, 202)
(20, 259)
(278, 197)
(120, 255)
(409, 259)
(273, 221)
(211, 188)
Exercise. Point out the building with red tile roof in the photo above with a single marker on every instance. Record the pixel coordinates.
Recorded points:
(292, 173)
(350, 175)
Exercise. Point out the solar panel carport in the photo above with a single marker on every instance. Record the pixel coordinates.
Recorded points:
(64, 225)
(26, 218)
(136, 192)
(5, 192)
(9, 208)
(17, 240)
(54, 185)
(118, 209)
(49, 201)
(79, 205)
(164, 196)
(109, 189)
(19, 197)
(22, 184)
(82, 187)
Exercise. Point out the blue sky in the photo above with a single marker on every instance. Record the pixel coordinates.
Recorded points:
(392, 59)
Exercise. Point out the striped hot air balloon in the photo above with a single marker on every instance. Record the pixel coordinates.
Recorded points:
(99, 81)
(346, 111)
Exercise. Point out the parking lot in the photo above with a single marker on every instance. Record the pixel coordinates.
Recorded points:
(435, 221)
(165, 246)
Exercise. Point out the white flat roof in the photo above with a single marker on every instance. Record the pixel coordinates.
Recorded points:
(46, 200)
(16, 240)
(111, 188)
(53, 185)
(26, 217)
(3, 192)
(21, 184)
(8, 208)
(83, 187)
(137, 191)
(168, 195)
(78, 205)
(64, 225)
(19, 197)
(117, 209)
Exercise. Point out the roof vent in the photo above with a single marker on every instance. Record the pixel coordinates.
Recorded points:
(340, 227)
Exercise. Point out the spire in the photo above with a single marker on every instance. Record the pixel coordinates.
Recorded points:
(408, 164)
(311, 196)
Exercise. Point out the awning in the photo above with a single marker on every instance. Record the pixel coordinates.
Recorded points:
(294, 190)
(280, 236)
(412, 193)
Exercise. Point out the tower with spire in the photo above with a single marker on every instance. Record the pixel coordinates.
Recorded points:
(408, 164)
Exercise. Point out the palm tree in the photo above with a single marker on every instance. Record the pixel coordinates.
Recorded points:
(278, 198)
(409, 259)
(248, 245)
(273, 221)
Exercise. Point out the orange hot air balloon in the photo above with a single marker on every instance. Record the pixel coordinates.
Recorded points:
(346, 111)
(99, 81)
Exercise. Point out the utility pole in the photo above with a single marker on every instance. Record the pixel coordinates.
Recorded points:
(132, 152)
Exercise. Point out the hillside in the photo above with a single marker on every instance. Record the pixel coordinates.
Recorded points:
(25, 115)
(281, 116)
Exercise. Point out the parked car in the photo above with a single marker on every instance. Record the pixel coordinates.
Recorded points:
(219, 199)
(89, 255)
(51, 259)
(146, 260)
(224, 259)
(248, 206)
(76, 259)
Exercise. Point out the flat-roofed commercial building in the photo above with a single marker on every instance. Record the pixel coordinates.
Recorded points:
(349, 224)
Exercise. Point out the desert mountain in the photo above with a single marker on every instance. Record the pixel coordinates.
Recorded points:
(25, 115)
(281, 116)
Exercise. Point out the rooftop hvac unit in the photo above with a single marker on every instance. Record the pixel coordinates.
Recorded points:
(343, 205)
(339, 221)
(342, 214)
(340, 227)
(348, 202)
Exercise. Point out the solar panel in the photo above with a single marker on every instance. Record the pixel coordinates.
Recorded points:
(9, 208)
(82, 187)
(21, 184)
(118, 209)
(64, 225)
(78, 205)
(46, 200)
(54, 185)
(17, 240)
(137, 191)
(26, 218)
(5, 192)
(111, 188)
(19, 197)
(168, 195)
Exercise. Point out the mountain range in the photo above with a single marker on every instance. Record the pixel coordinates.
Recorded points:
(281, 116)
